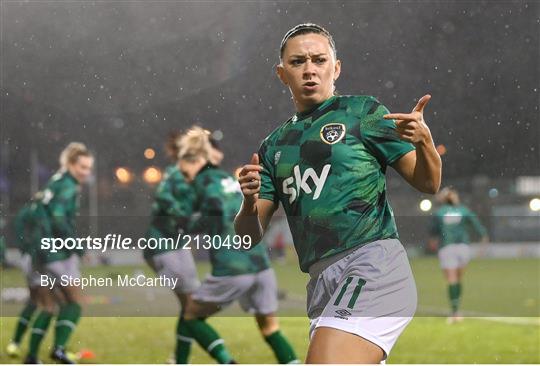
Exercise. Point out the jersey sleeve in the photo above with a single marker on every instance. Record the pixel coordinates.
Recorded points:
(380, 136)
(268, 186)
(435, 227)
(474, 222)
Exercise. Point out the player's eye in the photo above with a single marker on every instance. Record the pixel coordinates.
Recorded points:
(320, 60)
(297, 62)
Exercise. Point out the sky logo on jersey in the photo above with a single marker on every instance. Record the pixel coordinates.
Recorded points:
(299, 182)
(332, 133)
(452, 218)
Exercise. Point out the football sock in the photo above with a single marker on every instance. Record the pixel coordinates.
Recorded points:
(66, 322)
(454, 292)
(24, 320)
(207, 338)
(183, 342)
(281, 347)
(39, 328)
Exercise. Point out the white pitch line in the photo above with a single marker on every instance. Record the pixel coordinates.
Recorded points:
(485, 316)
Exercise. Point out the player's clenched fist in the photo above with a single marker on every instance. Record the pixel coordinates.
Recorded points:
(411, 127)
(250, 180)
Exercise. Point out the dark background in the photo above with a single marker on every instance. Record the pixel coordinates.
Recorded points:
(119, 76)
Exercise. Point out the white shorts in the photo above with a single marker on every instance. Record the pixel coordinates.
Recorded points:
(454, 256)
(177, 264)
(256, 292)
(367, 291)
(68, 267)
(32, 276)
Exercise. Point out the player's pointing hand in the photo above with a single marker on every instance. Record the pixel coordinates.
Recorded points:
(250, 180)
(411, 127)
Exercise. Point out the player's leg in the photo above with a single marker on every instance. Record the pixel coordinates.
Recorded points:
(269, 327)
(360, 304)
(179, 265)
(47, 308)
(213, 295)
(261, 300)
(193, 326)
(464, 256)
(330, 345)
(451, 276)
(449, 262)
(70, 310)
(32, 277)
(23, 322)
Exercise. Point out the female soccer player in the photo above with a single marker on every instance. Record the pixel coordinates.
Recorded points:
(237, 274)
(60, 206)
(450, 233)
(171, 210)
(326, 165)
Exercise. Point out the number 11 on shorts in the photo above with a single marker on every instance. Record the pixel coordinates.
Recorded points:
(354, 296)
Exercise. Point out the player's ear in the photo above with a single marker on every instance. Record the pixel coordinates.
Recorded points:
(337, 69)
(280, 72)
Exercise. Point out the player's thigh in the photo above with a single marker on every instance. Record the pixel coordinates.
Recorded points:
(262, 296)
(198, 309)
(177, 265)
(449, 257)
(464, 255)
(45, 299)
(329, 345)
(73, 293)
(221, 291)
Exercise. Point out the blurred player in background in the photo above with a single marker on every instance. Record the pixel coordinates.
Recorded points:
(27, 224)
(60, 205)
(450, 234)
(326, 165)
(236, 274)
(171, 210)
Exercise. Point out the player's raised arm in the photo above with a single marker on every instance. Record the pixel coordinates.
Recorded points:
(255, 213)
(420, 168)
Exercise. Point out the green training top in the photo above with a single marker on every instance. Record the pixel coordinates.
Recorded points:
(171, 210)
(327, 168)
(60, 202)
(451, 224)
(219, 198)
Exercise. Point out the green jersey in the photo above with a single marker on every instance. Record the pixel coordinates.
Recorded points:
(327, 168)
(451, 224)
(60, 204)
(219, 198)
(28, 226)
(171, 210)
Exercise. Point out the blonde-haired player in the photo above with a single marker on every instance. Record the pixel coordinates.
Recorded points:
(58, 202)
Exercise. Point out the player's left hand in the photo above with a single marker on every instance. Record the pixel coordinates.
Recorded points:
(411, 127)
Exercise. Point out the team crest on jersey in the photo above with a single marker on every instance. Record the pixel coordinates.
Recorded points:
(332, 133)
